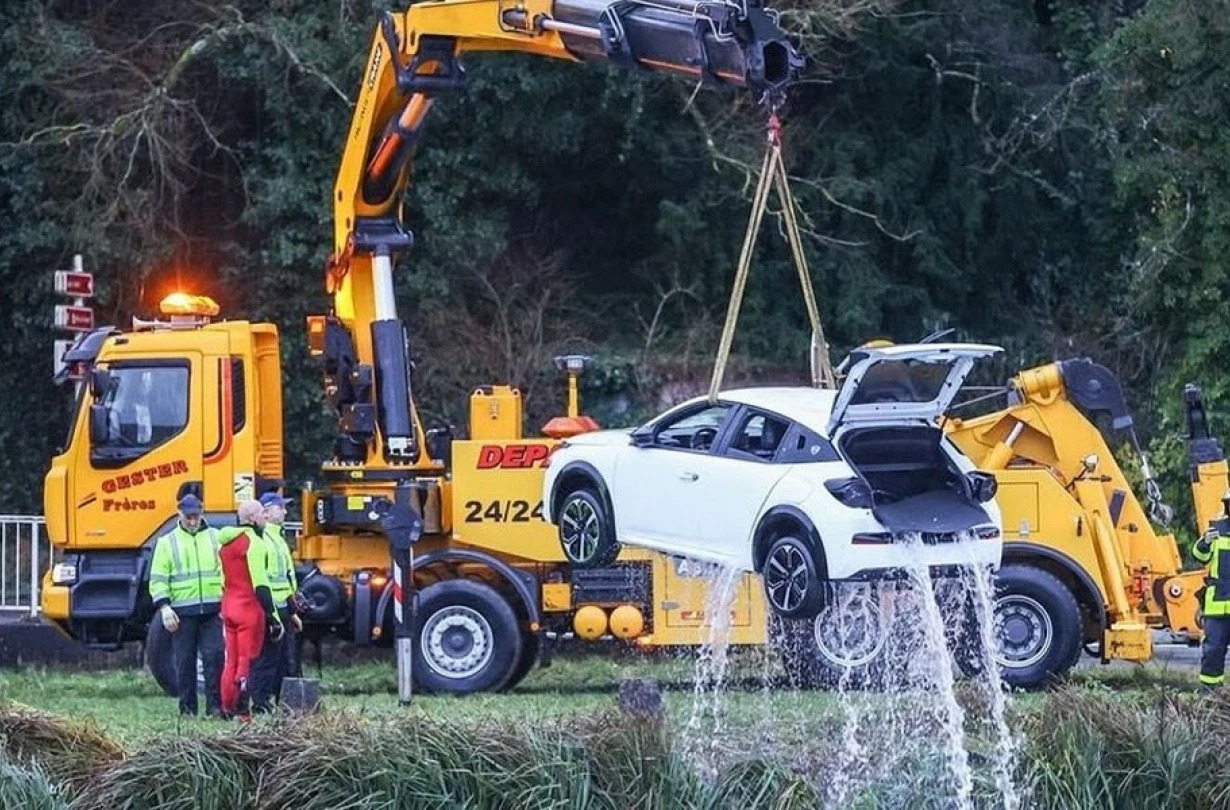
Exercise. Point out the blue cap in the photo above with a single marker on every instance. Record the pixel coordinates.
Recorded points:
(190, 504)
(274, 499)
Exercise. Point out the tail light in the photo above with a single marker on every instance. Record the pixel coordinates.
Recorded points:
(853, 492)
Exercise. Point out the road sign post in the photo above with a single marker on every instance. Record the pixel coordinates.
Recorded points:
(75, 317)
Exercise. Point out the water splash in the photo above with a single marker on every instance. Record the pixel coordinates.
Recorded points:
(712, 669)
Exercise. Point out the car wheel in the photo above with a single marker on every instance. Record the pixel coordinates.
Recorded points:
(159, 659)
(467, 638)
(792, 579)
(843, 646)
(586, 532)
(1037, 626)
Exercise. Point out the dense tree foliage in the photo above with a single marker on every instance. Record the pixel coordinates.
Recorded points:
(1050, 176)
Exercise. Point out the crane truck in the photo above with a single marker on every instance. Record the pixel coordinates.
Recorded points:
(186, 404)
(1083, 566)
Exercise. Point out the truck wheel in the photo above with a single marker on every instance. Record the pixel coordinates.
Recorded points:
(843, 646)
(1037, 624)
(530, 644)
(468, 639)
(792, 579)
(586, 531)
(159, 659)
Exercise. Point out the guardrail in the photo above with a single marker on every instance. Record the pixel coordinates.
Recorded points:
(25, 554)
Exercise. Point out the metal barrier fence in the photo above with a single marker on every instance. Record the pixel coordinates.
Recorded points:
(25, 554)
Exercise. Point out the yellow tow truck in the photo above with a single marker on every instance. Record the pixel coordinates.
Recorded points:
(187, 404)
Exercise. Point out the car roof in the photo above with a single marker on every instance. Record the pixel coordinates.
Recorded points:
(808, 406)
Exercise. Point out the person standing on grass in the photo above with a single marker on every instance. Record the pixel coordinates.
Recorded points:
(248, 613)
(185, 584)
(278, 659)
(1213, 549)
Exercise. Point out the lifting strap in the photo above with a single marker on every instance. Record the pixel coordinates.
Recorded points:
(773, 172)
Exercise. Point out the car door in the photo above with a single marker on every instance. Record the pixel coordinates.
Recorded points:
(738, 481)
(658, 491)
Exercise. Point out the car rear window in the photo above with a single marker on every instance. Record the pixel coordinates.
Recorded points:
(908, 380)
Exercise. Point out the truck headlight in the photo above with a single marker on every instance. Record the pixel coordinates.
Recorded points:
(64, 574)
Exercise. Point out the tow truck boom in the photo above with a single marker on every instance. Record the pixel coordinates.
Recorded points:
(417, 55)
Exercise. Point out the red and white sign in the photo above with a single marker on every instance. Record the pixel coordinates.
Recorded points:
(76, 284)
(74, 319)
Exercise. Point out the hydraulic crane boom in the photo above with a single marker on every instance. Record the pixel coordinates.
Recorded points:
(417, 55)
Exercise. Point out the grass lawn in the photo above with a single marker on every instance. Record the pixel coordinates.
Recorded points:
(129, 706)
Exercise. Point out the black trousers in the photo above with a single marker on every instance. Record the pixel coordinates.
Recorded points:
(1213, 650)
(263, 681)
(198, 636)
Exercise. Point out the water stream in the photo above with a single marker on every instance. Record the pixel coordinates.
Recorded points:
(900, 720)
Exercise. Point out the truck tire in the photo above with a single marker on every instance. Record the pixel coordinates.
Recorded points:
(586, 530)
(158, 658)
(812, 656)
(467, 638)
(1038, 624)
(530, 644)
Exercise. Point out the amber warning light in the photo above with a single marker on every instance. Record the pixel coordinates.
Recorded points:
(180, 303)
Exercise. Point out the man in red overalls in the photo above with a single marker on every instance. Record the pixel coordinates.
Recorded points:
(248, 612)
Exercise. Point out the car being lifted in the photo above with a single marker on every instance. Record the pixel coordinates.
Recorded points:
(806, 487)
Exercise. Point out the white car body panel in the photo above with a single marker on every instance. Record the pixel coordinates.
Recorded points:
(699, 504)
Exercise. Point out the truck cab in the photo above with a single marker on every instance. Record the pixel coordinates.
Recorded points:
(172, 406)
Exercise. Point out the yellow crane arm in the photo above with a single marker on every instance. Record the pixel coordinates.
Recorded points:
(415, 56)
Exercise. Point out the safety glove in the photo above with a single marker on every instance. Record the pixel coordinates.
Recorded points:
(170, 620)
(1205, 543)
(274, 627)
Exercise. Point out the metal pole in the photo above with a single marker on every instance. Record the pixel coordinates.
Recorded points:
(403, 526)
(34, 606)
(403, 567)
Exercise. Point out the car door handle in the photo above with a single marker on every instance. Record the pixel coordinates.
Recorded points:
(688, 476)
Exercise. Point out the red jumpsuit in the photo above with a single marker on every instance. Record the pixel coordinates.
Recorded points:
(246, 604)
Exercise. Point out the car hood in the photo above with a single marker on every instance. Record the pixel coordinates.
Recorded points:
(600, 438)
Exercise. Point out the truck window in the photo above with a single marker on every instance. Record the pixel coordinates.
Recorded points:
(146, 407)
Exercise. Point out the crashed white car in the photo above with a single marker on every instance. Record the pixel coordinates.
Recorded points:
(804, 486)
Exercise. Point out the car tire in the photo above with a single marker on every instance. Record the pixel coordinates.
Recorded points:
(467, 638)
(1038, 627)
(812, 660)
(159, 659)
(586, 530)
(530, 645)
(794, 585)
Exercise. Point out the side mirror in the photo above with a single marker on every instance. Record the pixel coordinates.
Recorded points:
(853, 492)
(100, 382)
(99, 423)
(982, 486)
(642, 437)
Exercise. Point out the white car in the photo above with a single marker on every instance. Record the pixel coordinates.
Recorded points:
(804, 486)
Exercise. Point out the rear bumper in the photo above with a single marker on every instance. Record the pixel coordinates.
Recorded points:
(902, 560)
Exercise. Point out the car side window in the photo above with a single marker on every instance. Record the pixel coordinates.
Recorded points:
(758, 437)
(694, 430)
(803, 446)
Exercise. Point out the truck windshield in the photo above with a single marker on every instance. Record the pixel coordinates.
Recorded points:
(146, 406)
